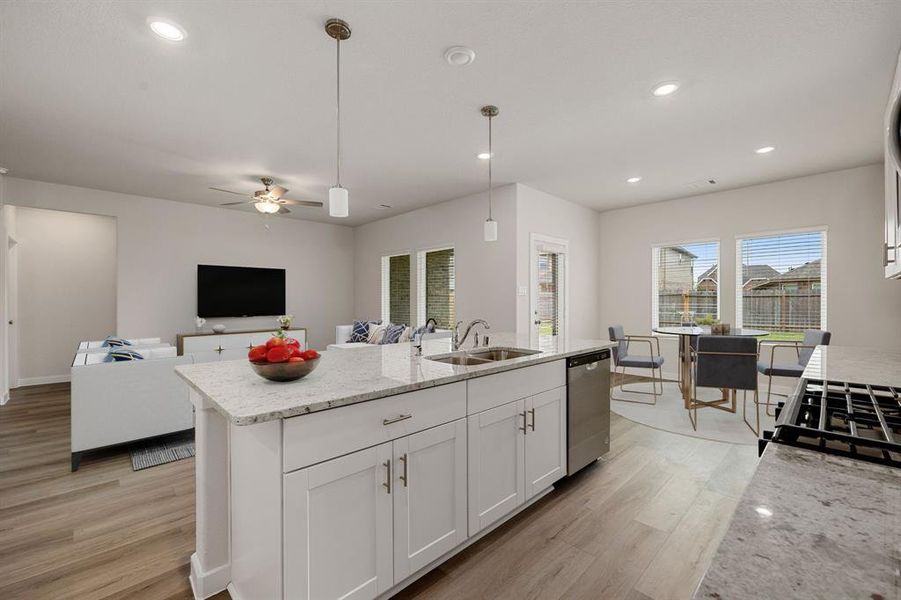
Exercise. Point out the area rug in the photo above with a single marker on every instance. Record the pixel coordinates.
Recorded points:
(160, 454)
(670, 415)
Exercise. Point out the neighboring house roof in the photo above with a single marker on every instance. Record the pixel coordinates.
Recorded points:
(748, 273)
(681, 250)
(807, 272)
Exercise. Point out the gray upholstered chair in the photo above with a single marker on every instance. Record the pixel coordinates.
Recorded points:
(729, 363)
(794, 368)
(624, 358)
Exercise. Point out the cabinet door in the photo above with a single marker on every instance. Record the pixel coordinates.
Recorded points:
(545, 440)
(496, 463)
(338, 527)
(430, 496)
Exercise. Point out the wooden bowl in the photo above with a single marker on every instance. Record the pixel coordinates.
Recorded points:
(286, 371)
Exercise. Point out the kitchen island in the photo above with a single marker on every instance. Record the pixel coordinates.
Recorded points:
(812, 525)
(381, 464)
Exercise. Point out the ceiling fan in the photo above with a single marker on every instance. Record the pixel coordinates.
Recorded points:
(268, 201)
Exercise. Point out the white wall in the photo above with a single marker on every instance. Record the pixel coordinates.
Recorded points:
(485, 272)
(863, 308)
(538, 212)
(160, 244)
(66, 288)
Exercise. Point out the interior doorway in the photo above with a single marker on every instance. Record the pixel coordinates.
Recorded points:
(11, 301)
(549, 287)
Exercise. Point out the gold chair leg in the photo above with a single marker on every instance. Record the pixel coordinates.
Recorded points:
(744, 411)
(622, 387)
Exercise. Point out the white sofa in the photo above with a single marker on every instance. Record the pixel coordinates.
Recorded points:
(98, 344)
(342, 337)
(118, 402)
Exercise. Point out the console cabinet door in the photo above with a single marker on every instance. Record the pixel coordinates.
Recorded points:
(545, 440)
(430, 496)
(338, 527)
(496, 463)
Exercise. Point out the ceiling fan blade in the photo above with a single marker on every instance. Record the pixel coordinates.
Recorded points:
(277, 191)
(300, 202)
(283, 211)
(234, 203)
(229, 192)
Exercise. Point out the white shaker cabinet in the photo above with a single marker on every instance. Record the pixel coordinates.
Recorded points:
(496, 463)
(338, 530)
(429, 496)
(545, 439)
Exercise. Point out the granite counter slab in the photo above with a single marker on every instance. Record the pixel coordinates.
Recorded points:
(811, 525)
(855, 365)
(345, 377)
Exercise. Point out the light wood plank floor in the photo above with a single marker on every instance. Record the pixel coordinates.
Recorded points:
(641, 524)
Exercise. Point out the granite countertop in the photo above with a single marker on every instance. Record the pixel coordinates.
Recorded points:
(346, 377)
(814, 525)
(855, 365)
(811, 525)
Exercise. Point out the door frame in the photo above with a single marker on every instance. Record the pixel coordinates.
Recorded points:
(536, 239)
(11, 318)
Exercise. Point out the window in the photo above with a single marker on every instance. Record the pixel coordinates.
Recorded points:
(396, 289)
(686, 284)
(782, 286)
(436, 287)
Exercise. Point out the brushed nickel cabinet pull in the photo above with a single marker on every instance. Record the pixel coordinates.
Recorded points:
(387, 484)
(523, 428)
(396, 419)
(404, 476)
(532, 412)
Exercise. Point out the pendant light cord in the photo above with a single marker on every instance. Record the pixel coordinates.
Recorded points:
(490, 160)
(338, 105)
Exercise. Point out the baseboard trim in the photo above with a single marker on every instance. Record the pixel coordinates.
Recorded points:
(209, 583)
(4, 399)
(27, 381)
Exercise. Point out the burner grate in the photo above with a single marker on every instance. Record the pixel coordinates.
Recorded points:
(857, 420)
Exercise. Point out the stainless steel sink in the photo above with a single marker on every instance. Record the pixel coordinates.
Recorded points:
(497, 354)
(459, 359)
(481, 356)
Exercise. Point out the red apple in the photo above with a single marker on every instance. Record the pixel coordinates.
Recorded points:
(257, 353)
(278, 354)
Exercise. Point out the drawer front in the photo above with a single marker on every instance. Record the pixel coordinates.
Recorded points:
(495, 390)
(319, 436)
(201, 343)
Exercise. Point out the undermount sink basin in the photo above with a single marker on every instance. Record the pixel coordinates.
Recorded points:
(496, 354)
(459, 359)
(481, 356)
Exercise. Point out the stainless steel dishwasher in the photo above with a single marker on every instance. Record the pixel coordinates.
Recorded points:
(587, 409)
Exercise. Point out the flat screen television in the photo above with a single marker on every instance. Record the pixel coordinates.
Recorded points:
(239, 291)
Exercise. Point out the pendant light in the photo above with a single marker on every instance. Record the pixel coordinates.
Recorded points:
(337, 195)
(490, 232)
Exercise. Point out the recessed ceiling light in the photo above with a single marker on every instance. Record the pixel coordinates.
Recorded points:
(765, 150)
(763, 511)
(167, 30)
(666, 88)
(3, 170)
(633, 180)
(484, 155)
(459, 56)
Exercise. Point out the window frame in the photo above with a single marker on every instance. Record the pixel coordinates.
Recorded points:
(385, 278)
(824, 270)
(421, 279)
(655, 268)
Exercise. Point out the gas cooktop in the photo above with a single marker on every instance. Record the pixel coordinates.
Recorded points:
(849, 419)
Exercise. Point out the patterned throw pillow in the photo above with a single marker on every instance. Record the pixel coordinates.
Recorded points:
(121, 354)
(393, 333)
(114, 342)
(376, 333)
(360, 331)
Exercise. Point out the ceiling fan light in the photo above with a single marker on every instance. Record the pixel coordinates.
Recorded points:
(490, 230)
(337, 202)
(267, 207)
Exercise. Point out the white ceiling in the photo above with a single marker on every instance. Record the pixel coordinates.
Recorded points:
(90, 97)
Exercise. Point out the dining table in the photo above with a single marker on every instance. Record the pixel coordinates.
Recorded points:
(686, 333)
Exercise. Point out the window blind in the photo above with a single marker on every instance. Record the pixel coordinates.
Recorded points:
(396, 289)
(436, 287)
(685, 284)
(550, 285)
(781, 283)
